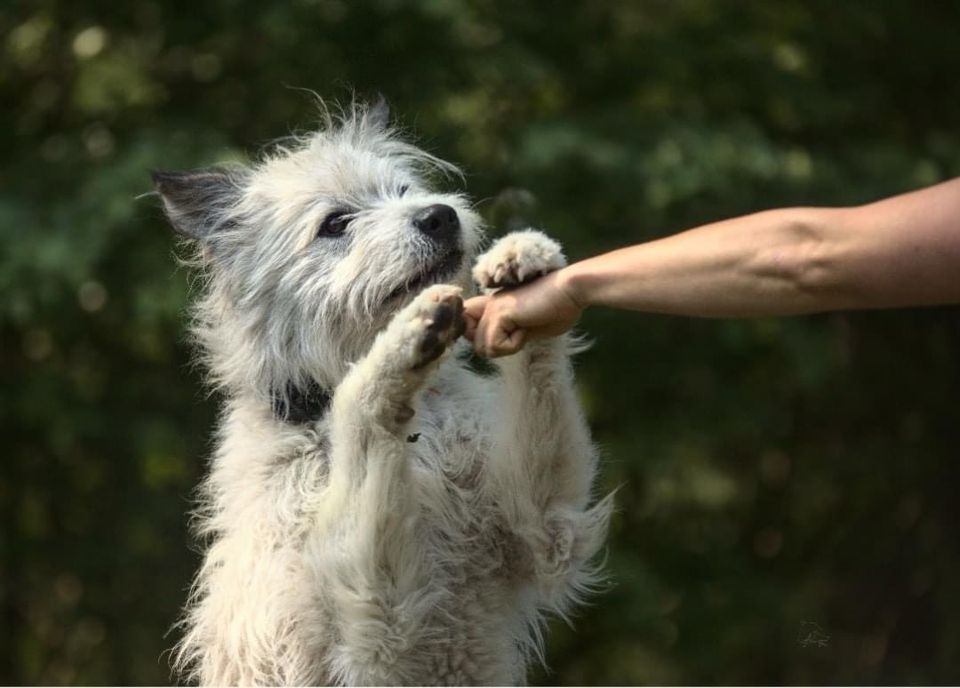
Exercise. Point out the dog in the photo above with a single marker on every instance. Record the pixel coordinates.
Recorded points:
(376, 512)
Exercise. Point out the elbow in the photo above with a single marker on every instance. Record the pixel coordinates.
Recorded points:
(805, 263)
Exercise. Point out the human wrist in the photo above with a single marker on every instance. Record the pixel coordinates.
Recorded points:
(574, 282)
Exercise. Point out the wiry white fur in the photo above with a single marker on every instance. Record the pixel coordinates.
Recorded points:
(337, 550)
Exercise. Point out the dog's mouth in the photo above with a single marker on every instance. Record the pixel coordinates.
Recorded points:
(446, 266)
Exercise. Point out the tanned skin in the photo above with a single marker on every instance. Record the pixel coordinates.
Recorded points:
(900, 251)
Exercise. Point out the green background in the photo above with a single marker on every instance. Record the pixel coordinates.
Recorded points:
(783, 481)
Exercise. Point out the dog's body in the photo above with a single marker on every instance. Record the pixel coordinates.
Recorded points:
(417, 528)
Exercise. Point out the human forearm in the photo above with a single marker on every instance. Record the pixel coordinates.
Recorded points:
(773, 262)
(899, 251)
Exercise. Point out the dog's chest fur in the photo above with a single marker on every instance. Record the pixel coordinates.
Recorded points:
(474, 563)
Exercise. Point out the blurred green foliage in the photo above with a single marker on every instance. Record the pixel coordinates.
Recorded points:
(788, 508)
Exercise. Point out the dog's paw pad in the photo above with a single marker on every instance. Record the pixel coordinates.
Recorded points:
(442, 317)
(439, 322)
(518, 258)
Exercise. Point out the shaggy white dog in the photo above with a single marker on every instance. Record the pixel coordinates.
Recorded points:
(376, 512)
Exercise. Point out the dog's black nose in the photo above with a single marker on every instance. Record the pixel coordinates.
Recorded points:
(437, 221)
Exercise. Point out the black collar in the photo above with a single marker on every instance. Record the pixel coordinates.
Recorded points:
(301, 404)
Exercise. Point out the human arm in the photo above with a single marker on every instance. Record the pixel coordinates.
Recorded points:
(900, 251)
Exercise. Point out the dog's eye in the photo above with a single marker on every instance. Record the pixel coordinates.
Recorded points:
(334, 224)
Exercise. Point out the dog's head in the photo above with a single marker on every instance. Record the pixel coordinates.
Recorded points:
(311, 251)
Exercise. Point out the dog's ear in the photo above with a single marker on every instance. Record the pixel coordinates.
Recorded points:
(378, 115)
(196, 202)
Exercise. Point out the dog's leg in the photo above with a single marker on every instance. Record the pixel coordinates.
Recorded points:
(543, 463)
(368, 552)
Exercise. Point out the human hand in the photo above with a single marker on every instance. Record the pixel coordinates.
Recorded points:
(500, 324)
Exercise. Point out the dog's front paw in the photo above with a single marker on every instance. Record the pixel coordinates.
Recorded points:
(431, 323)
(382, 384)
(517, 258)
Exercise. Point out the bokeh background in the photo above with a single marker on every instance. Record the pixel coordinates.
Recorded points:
(788, 508)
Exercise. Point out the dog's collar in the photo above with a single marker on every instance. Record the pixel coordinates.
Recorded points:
(301, 404)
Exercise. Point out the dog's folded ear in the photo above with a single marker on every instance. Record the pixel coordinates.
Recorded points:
(198, 202)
